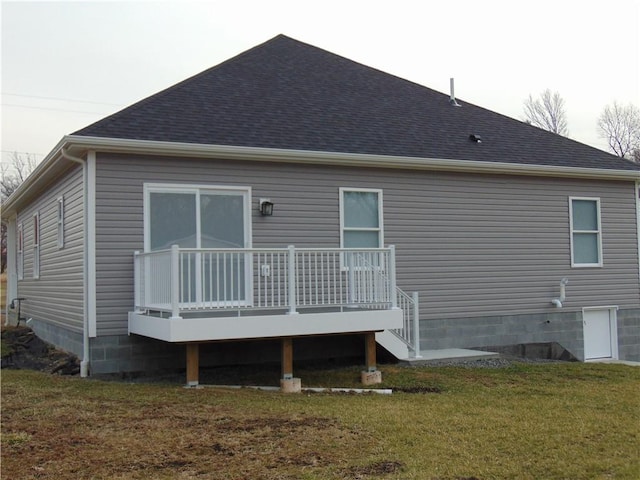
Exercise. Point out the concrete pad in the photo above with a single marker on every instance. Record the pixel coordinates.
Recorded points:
(621, 362)
(290, 385)
(450, 354)
(371, 378)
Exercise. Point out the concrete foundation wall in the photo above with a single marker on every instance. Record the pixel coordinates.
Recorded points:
(63, 338)
(112, 354)
(629, 335)
(123, 353)
(564, 328)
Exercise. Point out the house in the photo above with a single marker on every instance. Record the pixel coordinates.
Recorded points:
(290, 193)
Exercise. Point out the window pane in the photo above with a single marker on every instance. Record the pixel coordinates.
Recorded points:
(222, 221)
(585, 215)
(361, 240)
(173, 220)
(585, 248)
(361, 209)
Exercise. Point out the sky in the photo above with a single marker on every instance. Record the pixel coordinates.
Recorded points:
(65, 65)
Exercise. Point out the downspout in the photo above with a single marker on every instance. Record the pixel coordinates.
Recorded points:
(84, 363)
(637, 194)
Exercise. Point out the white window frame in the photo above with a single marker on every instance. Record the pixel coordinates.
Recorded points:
(597, 232)
(150, 188)
(20, 252)
(36, 245)
(60, 222)
(380, 228)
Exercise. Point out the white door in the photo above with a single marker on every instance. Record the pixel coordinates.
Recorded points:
(599, 334)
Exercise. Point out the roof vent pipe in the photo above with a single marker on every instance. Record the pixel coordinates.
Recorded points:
(452, 98)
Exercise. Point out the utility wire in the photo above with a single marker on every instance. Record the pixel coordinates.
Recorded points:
(61, 99)
(51, 109)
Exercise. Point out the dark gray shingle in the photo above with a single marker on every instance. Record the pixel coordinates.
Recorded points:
(290, 95)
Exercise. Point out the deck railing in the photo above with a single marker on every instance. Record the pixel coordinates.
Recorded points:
(181, 280)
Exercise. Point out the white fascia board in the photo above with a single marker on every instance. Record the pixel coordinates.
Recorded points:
(344, 159)
(79, 145)
(262, 326)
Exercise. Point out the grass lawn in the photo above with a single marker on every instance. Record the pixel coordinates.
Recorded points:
(527, 421)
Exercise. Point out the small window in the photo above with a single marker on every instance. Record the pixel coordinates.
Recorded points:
(36, 245)
(60, 222)
(20, 256)
(586, 232)
(361, 218)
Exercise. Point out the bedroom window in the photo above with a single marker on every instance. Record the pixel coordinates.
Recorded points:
(586, 232)
(36, 245)
(20, 256)
(60, 222)
(361, 218)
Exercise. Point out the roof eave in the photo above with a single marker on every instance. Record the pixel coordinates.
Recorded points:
(118, 145)
(45, 170)
(79, 145)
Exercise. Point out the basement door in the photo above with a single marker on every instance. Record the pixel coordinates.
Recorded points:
(202, 218)
(600, 333)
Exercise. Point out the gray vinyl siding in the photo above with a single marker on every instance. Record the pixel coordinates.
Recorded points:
(56, 297)
(471, 245)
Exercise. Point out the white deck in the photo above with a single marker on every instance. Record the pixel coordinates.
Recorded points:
(198, 295)
(262, 326)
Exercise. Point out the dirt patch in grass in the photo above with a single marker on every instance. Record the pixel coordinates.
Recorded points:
(23, 349)
(375, 469)
(89, 429)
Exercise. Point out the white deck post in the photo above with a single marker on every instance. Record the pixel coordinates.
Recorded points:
(416, 325)
(292, 280)
(175, 282)
(136, 281)
(392, 277)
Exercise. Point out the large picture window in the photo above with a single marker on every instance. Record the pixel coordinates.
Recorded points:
(361, 218)
(586, 232)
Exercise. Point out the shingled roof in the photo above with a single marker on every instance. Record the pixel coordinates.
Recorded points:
(286, 94)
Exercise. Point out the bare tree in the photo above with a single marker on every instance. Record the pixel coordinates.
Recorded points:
(547, 112)
(11, 176)
(620, 126)
(14, 173)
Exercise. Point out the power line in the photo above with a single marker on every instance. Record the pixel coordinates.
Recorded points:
(61, 99)
(51, 109)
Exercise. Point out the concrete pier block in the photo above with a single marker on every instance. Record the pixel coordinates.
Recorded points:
(371, 378)
(290, 385)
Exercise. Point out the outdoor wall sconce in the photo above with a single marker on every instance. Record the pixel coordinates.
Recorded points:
(266, 207)
(475, 138)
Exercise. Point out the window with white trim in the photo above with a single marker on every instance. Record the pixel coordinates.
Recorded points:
(36, 245)
(203, 217)
(20, 256)
(60, 222)
(361, 220)
(586, 232)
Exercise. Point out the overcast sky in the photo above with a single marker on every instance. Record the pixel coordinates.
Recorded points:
(68, 64)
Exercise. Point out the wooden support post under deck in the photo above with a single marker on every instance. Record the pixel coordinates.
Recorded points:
(193, 364)
(287, 358)
(371, 375)
(288, 384)
(370, 351)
